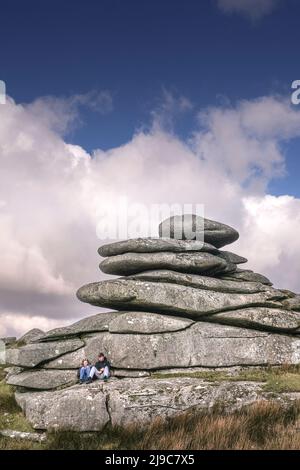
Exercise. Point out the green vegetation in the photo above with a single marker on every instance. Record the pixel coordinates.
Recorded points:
(287, 382)
(11, 417)
(16, 344)
(265, 425)
(277, 379)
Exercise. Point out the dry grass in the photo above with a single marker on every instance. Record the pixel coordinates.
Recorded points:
(264, 425)
(261, 426)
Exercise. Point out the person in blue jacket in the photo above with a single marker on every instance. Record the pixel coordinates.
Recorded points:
(84, 371)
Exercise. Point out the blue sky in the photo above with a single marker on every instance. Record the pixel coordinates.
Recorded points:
(137, 48)
(160, 101)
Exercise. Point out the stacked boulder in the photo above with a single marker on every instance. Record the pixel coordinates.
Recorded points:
(181, 305)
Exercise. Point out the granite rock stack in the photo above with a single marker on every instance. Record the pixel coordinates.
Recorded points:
(182, 304)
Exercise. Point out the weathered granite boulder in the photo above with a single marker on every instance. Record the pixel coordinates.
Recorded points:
(152, 245)
(138, 401)
(260, 318)
(293, 303)
(119, 322)
(8, 340)
(32, 335)
(202, 282)
(246, 275)
(92, 345)
(232, 257)
(196, 262)
(170, 298)
(43, 379)
(147, 323)
(192, 227)
(202, 344)
(92, 324)
(74, 409)
(32, 355)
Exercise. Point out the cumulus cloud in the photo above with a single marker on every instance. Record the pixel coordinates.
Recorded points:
(53, 195)
(253, 9)
(271, 225)
(245, 140)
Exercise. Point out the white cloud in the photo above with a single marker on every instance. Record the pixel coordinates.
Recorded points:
(62, 114)
(52, 193)
(245, 140)
(15, 323)
(171, 106)
(271, 226)
(253, 9)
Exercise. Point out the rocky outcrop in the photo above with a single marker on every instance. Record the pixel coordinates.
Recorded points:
(181, 304)
(260, 318)
(43, 379)
(203, 282)
(242, 275)
(32, 355)
(32, 335)
(202, 344)
(170, 298)
(147, 323)
(99, 322)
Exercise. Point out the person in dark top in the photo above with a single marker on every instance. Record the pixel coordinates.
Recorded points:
(101, 370)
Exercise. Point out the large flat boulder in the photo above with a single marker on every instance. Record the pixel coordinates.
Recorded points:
(267, 319)
(203, 344)
(32, 355)
(152, 245)
(137, 401)
(75, 409)
(202, 282)
(43, 379)
(118, 322)
(91, 324)
(194, 227)
(196, 262)
(129, 294)
(147, 323)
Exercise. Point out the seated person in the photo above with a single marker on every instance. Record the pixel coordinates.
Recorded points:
(84, 371)
(101, 370)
